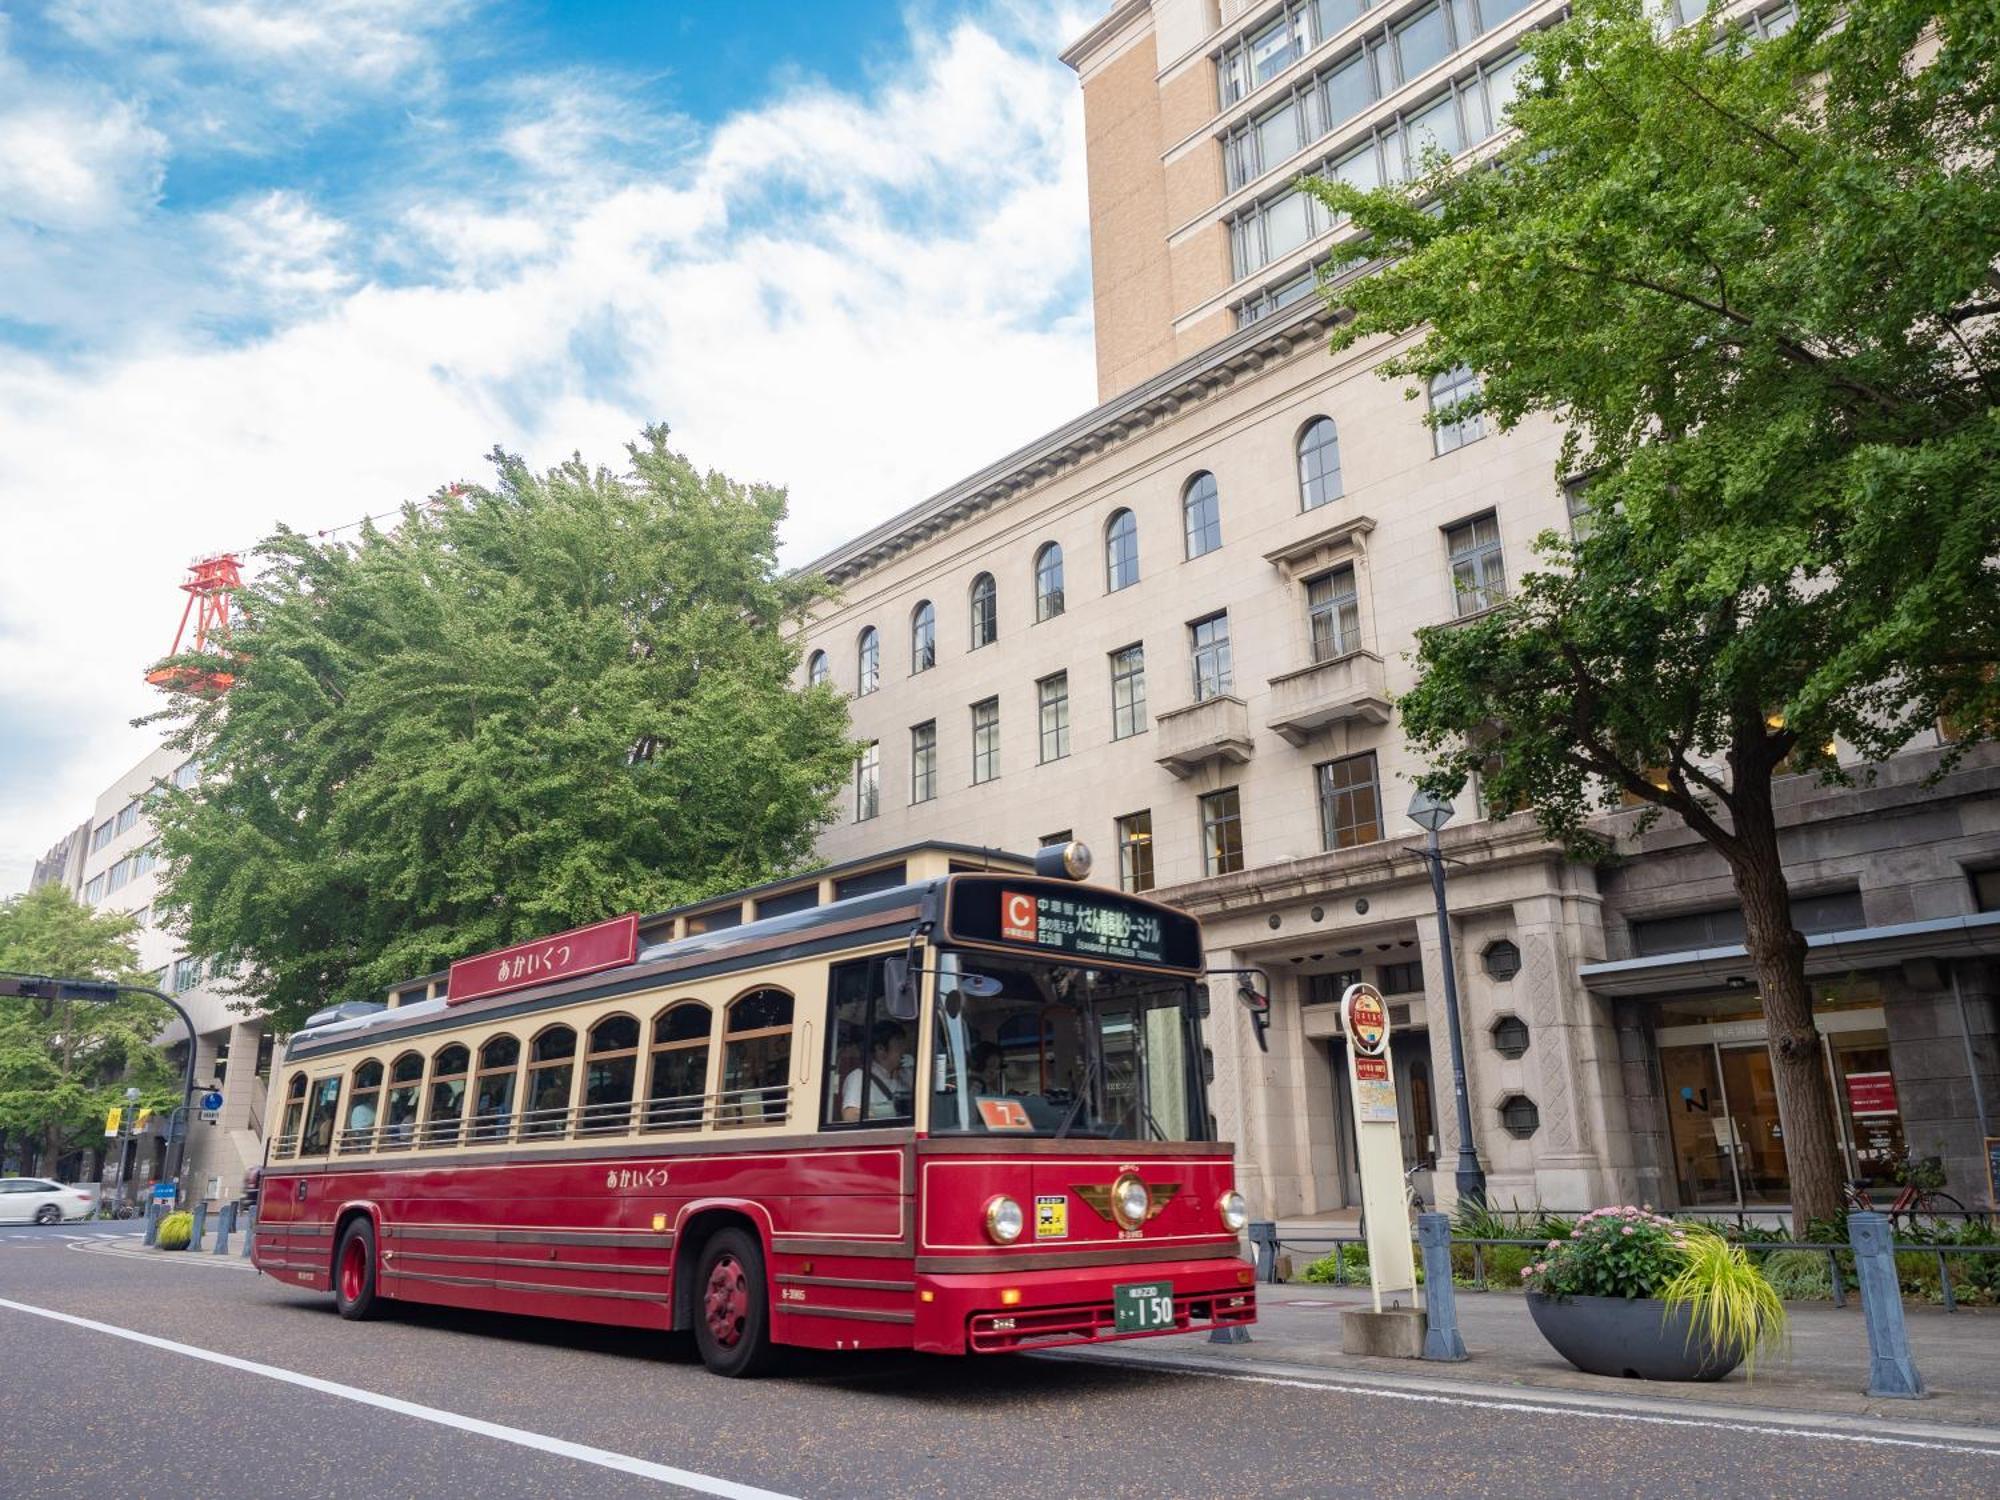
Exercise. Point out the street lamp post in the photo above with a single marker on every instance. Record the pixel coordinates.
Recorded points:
(45, 987)
(1431, 813)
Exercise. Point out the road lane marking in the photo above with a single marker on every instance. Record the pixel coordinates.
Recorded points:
(604, 1458)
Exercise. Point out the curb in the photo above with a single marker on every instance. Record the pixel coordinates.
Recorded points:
(163, 1257)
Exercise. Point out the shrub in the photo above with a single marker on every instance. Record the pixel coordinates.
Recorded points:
(1326, 1270)
(1612, 1252)
(176, 1229)
(1732, 1306)
(1798, 1275)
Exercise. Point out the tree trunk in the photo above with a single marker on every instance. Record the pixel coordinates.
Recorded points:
(1798, 1060)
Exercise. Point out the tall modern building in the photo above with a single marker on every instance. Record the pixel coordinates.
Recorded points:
(1177, 626)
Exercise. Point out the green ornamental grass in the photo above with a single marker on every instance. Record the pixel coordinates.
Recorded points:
(176, 1230)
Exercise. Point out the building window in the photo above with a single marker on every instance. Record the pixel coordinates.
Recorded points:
(1478, 570)
(1209, 642)
(116, 876)
(1350, 802)
(144, 860)
(1052, 699)
(985, 740)
(869, 676)
(1576, 496)
(1422, 42)
(101, 835)
(985, 612)
(1121, 552)
(1319, 464)
(1401, 979)
(1502, 960)
(1510, 1036)
(1135, 851)
(1048, 582)
(923, 761)
(1201, 505)
(187, 974)
(816, 669)
(1055, 840)
(1329, 989)
(868, 781)
(188, 774)
(1986, 889)
(1519, 1116)
(1333, 614)
(1128, 692)
(128, 817)
(923, 638)
(1449, 391)
(1221, 833)
(93, 891)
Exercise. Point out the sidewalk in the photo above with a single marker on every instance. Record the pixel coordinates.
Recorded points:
(1826, 1374)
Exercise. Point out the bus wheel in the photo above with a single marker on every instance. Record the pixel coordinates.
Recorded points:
(732, 1307)
(354, 1272)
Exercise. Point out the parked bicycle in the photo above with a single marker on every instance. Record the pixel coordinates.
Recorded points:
(1918, 1202)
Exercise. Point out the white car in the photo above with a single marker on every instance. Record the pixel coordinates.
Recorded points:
(36, 1200)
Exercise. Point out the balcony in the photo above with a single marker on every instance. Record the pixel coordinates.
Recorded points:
(1343, 687)
(1216, 729)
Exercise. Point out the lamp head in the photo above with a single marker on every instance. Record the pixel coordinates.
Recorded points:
(1429, 811)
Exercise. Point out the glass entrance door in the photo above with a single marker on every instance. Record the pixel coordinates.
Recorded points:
(1753, 1112)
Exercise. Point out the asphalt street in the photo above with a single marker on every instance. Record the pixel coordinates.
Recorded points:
(127, 1372)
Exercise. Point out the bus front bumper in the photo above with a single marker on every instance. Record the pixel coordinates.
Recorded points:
(992, 1312)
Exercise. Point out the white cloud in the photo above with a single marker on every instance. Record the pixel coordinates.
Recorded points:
(860, 296)
(73, 156)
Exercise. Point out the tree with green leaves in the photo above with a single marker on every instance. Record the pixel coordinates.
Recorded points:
(65, 1063)
(1755, 282)
(525, 707)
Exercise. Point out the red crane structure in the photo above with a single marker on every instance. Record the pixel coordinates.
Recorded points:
(211, 584)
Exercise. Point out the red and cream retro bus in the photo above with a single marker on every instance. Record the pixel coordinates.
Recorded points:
(963, 1109)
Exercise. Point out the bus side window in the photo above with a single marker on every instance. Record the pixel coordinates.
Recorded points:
(493, 1091)
(677, 1081)
(870, 1072)
(295, 1117)
(756, 1059)
(445, 1117)
(320, 1116)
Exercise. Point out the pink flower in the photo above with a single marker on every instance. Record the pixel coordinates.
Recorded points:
(1555, 1244)
(1526, 1272)
(1627, 1230)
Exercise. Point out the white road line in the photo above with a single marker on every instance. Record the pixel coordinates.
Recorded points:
(687, 1479)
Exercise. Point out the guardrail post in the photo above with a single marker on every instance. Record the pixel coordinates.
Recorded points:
(249, 1230)
(1441, 1340)
(1891, 1371)
(152, 1221)
(1264, 1238)
(200, 1224)
(224, 1222)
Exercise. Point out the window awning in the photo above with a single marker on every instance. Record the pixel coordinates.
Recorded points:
(1974, 936)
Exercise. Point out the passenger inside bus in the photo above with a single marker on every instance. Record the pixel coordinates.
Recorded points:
(878, 1092)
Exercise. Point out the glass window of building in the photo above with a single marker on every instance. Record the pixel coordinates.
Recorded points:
(1048, 582)
(816, 669)
(1319, 464)
(1350, 802)
(869, 677)
(1433, 127)
(985, 740)
(1221, 833)
(1453, 389)
(923, 638)
(1333, 614)
(128, 817)
(868, 781)
(1128, 692)
(1422, 42)
(188, 774)
(93, 890)
(1201, 505)
(1121, 552)
(1135, 851)
(1052, 700)
(923, 761)
(187, 974)
(1274, 48)
(1349, 89)
(101, 834)
(985, 612)
(1208, 640)
(1478, 571)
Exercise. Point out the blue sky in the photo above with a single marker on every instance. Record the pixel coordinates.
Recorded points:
(304, 259)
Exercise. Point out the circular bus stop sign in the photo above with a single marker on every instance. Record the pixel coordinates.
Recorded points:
(1365, 1019)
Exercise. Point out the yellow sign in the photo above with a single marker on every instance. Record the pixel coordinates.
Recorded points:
(112, 1118)
(1052, 1217)
(145, 1118)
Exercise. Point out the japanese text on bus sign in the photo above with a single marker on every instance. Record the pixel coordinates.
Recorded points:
(1089, 929)
(561, 955)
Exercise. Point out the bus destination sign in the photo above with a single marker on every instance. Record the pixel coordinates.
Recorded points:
(1088, 929)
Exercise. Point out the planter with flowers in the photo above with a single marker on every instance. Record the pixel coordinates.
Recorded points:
(1631, 1293)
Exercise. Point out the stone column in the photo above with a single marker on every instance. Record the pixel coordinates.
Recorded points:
(1575, 1060)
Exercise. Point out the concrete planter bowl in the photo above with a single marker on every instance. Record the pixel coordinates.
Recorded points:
(1631, 1337)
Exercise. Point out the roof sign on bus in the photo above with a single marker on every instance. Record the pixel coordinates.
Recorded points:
(561, 955)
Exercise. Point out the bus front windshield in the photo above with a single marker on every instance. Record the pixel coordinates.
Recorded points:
(1028, 1047)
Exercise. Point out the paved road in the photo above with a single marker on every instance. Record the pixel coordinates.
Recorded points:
(190, 1374)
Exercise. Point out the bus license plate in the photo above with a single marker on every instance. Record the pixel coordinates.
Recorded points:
(1143, 1307)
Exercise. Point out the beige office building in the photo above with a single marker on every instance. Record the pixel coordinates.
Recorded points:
(1176, 627)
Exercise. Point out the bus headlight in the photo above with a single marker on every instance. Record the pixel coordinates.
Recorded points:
(1130, 1201)
(1235, 1212)
(1004, 1221)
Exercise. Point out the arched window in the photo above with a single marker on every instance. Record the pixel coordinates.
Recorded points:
(816, 669)
(985, 612)
(1048, 582)
(756, 1053)
(493, 1090)
(445, 1113)
(551, 1067)
(295, 1118)
(1319, 464)
(399, 1112)
(677, 1085)
(1121, 551)
(1201, 505)
(610, 1069)
(364, 1099)
(321, 1110)
(923, 638)
(869, 677)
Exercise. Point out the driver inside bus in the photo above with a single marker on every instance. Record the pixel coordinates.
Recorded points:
(881, 1079)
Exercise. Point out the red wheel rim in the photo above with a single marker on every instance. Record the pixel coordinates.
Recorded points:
(726, 1301)
(353, 1270)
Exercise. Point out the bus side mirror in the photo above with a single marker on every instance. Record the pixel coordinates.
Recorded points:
(1201, 1001)
(901, 987)
(1259, 1006)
